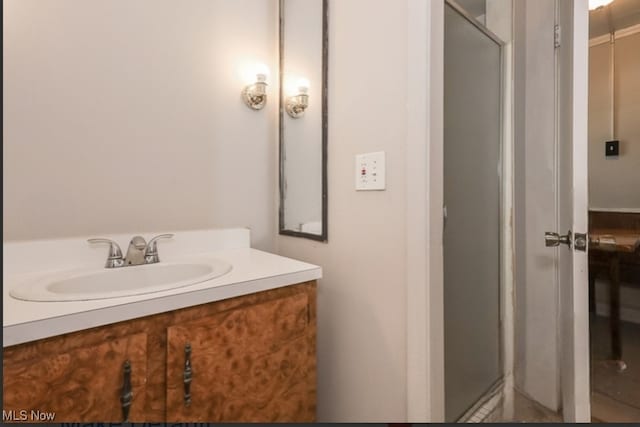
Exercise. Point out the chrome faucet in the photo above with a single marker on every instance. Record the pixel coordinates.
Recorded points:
(139, 251)
(114, 259)
(135, 253)
(151, 249)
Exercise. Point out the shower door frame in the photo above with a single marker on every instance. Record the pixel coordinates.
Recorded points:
(424, 231)
(496, 385)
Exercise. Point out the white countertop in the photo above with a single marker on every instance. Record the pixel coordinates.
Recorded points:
(253, 271)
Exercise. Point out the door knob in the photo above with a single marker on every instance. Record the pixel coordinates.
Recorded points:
(555, 239)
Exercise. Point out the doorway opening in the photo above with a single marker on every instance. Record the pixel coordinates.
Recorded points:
(614, 210)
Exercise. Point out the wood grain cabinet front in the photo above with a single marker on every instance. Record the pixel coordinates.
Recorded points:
(246, 359)
(252, 364)
(99, 382)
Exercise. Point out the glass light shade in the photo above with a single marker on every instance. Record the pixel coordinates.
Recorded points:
(251, 72)
(303, 85)
(262, 69)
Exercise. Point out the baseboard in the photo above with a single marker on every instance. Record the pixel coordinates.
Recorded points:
(622, 210)
(627, 314)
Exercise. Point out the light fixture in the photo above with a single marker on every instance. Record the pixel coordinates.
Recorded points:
(296, 104)
(255, 94)
(597, 4)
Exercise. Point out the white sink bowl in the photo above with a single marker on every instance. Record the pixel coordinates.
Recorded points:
(82, 285)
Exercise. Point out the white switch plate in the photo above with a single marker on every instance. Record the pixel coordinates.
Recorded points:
(370, 171)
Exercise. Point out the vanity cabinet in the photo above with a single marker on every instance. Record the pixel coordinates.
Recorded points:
(250, 364)
(82, 383)
(246, 359)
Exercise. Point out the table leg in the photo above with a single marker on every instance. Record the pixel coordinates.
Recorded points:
(592, 290)
(614, 306)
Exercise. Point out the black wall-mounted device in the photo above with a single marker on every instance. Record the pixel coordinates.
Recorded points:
(612, 148)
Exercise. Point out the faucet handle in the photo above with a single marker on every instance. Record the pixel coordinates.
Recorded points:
(115, 253)
(151, 251)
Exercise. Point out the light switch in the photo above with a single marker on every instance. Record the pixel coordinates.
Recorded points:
(370, 171)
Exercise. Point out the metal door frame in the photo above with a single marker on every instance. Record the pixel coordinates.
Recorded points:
(501, 159)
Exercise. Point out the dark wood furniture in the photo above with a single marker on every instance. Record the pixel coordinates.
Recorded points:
(619, 260)
(245, 359)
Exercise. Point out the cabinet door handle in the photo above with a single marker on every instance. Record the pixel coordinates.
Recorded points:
(127, 394)
(187, 375)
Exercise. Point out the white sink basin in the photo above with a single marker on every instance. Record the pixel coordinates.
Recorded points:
(82, 285)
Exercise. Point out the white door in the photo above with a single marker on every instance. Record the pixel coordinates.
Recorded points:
(572, 98)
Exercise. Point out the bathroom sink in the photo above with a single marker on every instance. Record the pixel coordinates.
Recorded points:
(80, 285)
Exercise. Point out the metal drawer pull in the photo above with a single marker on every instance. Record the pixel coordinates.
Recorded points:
(187, 375)
(126, 397)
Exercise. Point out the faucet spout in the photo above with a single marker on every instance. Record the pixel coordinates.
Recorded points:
(135, 253)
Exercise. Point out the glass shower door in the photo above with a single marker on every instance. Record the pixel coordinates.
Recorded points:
(472, 197)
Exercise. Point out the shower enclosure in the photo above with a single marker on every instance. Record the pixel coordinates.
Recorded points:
(472, 196)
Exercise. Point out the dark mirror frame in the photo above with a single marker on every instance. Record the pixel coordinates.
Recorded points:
(325, 68)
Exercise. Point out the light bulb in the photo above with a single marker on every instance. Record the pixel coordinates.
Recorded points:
(251, 72)
(262, 70)
(303, 85)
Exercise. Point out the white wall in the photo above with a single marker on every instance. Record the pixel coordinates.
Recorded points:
(424, 226)
(362, 300)
(614, 181)
(126, 116)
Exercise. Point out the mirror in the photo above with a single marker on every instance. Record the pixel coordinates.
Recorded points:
(303, 118)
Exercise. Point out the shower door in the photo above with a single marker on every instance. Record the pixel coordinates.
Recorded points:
(472, 198)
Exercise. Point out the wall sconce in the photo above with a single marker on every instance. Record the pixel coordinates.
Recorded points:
(296, 105)
(255, 95)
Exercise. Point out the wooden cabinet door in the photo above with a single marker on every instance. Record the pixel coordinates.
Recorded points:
(82, 384)
(251, 364)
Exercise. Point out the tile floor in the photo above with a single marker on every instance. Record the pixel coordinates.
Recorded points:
(526, 410)
(615, 394)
